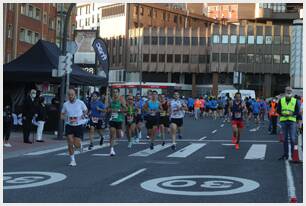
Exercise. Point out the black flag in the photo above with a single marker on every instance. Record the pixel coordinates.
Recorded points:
(102, 54)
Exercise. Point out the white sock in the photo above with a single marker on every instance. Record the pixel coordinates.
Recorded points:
(72, 157)
(139, 135)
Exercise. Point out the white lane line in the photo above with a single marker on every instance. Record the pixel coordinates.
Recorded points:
(188, 150)
(203, 138)
(253, 130)
(300, 147)
(128, 177)
(104, 155)
(222, 125)
(213, 132)
(46, 151)
(148, 152)
(228, 144)
(215, 157)
(256, 151)
(85, 150)
(290, 181)
(221, 140)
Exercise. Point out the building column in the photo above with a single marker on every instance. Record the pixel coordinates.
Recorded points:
(267, 85)
(182, 78)
(215, 77)
(194, 84)
(169, 77)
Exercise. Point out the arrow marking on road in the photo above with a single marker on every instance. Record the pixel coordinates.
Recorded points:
(128, 177)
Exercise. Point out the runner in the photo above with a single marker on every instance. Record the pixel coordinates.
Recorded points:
(214, 106)
(190, 106)
(226, 110)
(255, 110)
(152, 108)
(130, 120)
(197, 106)
(220, 107)
(117, 107)
(202, 107)
(164, 117)
(263, 109)
(74, 112)
(176, 115)
(96, 119)
(237, 107)
(139, 116)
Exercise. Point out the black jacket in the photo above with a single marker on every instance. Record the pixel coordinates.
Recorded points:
(41, 111)
(28, 108)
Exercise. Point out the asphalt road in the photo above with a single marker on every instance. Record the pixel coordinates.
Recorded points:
(206, 170)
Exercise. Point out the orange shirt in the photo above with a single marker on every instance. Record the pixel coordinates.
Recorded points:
(197, 104)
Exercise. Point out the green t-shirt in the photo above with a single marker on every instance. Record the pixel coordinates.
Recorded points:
(116, 116)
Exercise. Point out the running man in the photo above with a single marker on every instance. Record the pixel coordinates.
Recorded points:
(190, 103)
(117, 108)
(177, 108)
(237, 107)
(164, 117)
(214, 106)
(130, 120)
(96, 121)
(255, 110)
(74, 112)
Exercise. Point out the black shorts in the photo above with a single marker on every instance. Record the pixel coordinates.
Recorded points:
(177, 121)
(138, 118)
(207, 109)
(220, 107)
(164, 120)
(152, 121)
(76, 131)
(190, 109)
(116, 125)
(129, 123)
(98, 125)
(213, 109)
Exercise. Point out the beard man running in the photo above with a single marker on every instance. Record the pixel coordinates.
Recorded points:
(73, 112)
(177, 108)
(237, 107)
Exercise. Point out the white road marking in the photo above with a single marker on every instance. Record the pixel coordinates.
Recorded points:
(213, 132)
(221, 140)
(290, 181)
(128, 177)
(148, 152)
(222, 125)
(300, 147)
(188, 150)
(104, 155)
(215, 157)
(257, 151)
(203, 138)
(228, 144)
(253, 130)
(46, 151)
(85, 150)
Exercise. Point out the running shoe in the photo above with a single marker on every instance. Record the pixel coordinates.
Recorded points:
(7, 145)
(163, 143)
(237, 146)
(72, 163)
(234, 140)
(173, 146)
(148, 137)
(112, 152)
(101, 141)
(151, 146)
(90, 146)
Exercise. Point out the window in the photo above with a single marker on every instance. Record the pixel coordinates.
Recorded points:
(277, 40)
(208, 58)
(268, 39)
(276, 59)
(175, 19)
(30, 11)
(177, 58)
(161, 58)
(141, 11)
(170, 40)
(51, 23)
(98, 18)
(22, 35)
(45, 20)
(216, 39)
(258, 59)
(145, 57)
(202, 59)
(202, 41)
(233, 58)
(178, 40)
(250, 58)
(285, 59)
(215, 57)
(194, 41)
(37, 14)
(164, 16)
(29, 38)
(224, 39)
(150, 12)
(186, 41)
(286, 40)
(154, 13)
(251, 40)
(131, 58)
(241, 39)
(36, 38)
(154, 40)
(233, 39)
(131, 41)
(146, 40)
(259, 40)
(23, 9)
(93, 19)
(10, 7)
(169, 58)
(194, 59)
(9, 31)
(224, 57)
(135, 10)
(120, 41)
(268, 58)
(162, 40)
(153, 57)
(135, 41)
(242, 58)
(185, 58)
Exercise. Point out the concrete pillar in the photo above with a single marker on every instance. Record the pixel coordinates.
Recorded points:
(194, 84)
(267, 85)
(169, 77)
(182, 78)
(215, 77)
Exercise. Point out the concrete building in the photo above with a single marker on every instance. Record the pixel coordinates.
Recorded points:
(88, 15)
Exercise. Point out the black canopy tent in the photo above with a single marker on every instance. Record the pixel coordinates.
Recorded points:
(37, 63)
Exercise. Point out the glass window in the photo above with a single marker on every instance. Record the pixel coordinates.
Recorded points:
(268, 39)
(9, 31)
(22, 35)
(250, 58)
(215, 57)
(285, 59)
(162, 40)
(153, 57)
(224, 57)
(135, 41)
(170, 40)
(161, 58)
(185, 58)
(29, 36)
(30, 11)
(194, 41)
(145, 57)
(178, 40)
(208, 58)
(259, 40)
(186, 41)
(258, 59)
(286, 40)
(202, 41)
(36, 37)
(233, 58)
(146, 40)
(154, 40)
(202, 59)
(268, 58)
(23, 8)
(170, 58)
(233, 39)
(131, 41)
(277, 40)
(208, 41)
(224, 39)
(242, 58)
(177, 58)
(216, 39)
(37, 14)
(241, 39)
(175, 19)
(194, 59)
(131, 58)
(276, 59)
(251, 40)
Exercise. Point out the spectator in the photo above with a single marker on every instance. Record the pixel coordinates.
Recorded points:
(27, 115)
(7, 125)
(41, 117)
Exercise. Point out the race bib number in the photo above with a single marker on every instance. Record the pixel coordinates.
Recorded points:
(237, 115)
(114, 115)
(130, 118)
(95, 119)
(73, 120)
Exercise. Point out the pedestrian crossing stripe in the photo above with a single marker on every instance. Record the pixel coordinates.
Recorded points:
(85, 150)
(148, 152)
(188, 150)
(256, 151)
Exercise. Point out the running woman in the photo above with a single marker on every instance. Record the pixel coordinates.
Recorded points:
(117, 108)
(96, 121)
(74, 112)
(237, 107)
(177, 108)
(139, 116)
(152, 118)
(164, 117)
(130, 120)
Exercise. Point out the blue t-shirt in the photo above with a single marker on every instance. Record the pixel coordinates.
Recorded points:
(263, 105)
(255, 107)
(190, 102)
(213, 104)
(93, 108)
(208, 104)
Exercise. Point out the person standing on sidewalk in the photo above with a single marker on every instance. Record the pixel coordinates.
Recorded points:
(288, 109)
(74, 112)
(7, 125)
(28, 109)
(41, 117)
